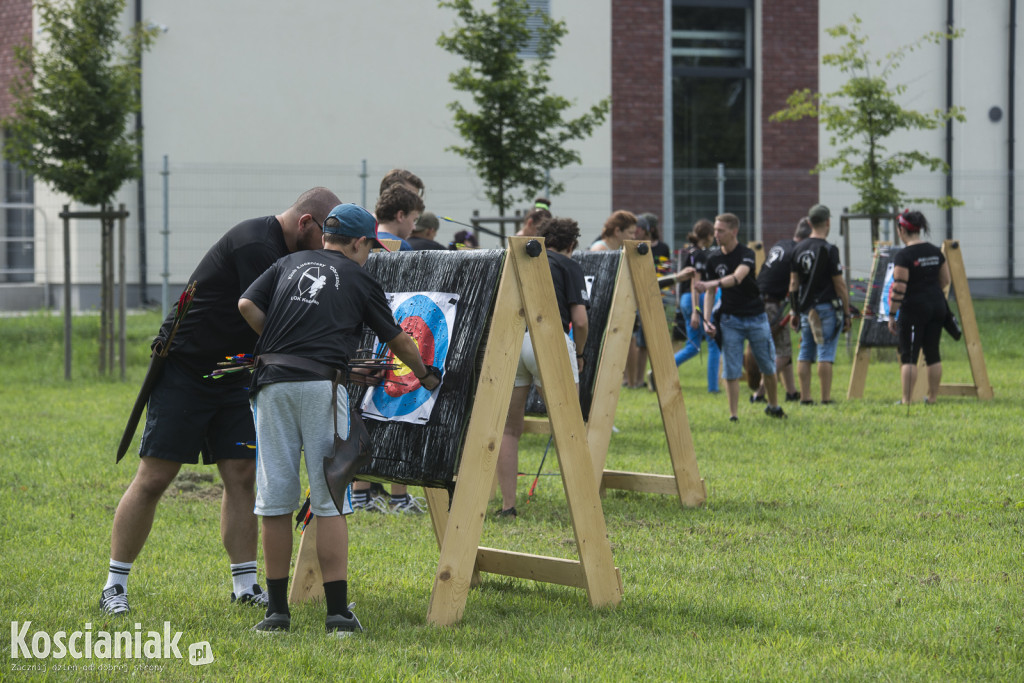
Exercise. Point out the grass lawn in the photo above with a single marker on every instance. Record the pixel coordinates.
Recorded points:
(848, 542)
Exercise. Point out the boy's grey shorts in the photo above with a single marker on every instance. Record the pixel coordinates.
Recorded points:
(292, 417)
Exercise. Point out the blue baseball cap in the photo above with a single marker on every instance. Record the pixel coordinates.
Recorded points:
(353, 221)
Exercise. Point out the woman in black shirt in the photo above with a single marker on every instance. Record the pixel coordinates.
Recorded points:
(918, 303)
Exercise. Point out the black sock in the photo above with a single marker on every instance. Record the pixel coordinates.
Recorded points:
(404, 498)
(336, 593)
(361, 496)
(277, 594)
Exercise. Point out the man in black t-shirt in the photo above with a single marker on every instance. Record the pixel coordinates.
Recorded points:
(311, 306)
(189, 414)
(424, 232)
(773, 281)
(742, 313)
(818, 293)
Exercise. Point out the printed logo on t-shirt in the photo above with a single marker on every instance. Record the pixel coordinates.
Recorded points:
(806, 262)
(721, 270)
(927, 262)
(775, 255)
(311, 280)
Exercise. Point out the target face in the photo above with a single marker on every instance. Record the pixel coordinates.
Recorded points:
(427, 317)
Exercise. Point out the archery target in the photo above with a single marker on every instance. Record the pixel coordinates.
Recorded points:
(427, 317)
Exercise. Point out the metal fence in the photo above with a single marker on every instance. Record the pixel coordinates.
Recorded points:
(189, 206)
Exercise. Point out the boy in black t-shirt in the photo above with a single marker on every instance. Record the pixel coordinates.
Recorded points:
(189, 414)
(312, 305)
(742, 313)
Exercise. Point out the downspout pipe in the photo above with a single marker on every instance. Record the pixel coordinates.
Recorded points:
(140, 186)
(1010, 145)
(949, 124)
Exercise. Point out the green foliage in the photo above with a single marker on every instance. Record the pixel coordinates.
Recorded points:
(849, 542)
(863, 113)
(73, 100)
(515, 132)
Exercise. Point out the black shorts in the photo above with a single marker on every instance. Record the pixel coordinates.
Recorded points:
(188, 415)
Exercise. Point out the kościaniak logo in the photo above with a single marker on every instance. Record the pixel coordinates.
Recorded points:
(87, 644)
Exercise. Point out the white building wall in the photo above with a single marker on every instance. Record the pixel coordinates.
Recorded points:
(980, 75)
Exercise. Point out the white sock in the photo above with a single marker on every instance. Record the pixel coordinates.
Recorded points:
(117, 575)
(243, 576)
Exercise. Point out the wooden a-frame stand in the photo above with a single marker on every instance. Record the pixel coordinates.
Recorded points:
(981, 388)
(524, 292)
(636, 289)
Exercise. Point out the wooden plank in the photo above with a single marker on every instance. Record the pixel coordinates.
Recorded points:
(562, 400)
(758, 249)
(608, 381)
(859, 372)
(307, 581)
(537, 425)
(690, 487)
(535, 567)
(958, 390)
(638, 481)
(968, 321)
(480, 454)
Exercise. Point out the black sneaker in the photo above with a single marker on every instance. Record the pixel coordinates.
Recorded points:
(114, 601)
(774, 411)
(506, 514)
(341, 626)
(734, 419)
(754, 398)
(807, 403)
(274, 623)
(795, 396)
(256, 597)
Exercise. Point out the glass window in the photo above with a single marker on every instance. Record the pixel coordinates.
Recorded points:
(712, 111)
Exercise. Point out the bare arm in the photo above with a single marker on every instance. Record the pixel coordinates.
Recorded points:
(839, 284)
(899, 289)
(253, 315)
(580, 326)
(407, 351)
(944, 277)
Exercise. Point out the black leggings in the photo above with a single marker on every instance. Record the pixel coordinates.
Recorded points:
(921, 328)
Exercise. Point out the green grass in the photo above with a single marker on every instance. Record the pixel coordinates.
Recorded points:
(847, 542)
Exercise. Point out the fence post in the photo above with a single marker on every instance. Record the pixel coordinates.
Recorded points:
(164, 293)
(67, 292)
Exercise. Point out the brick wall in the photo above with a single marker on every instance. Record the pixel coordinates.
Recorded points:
(15, 29)
(789, 61)
(637, 115)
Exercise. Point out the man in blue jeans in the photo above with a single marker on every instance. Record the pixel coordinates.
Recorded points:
(818, 293)
(742, 313)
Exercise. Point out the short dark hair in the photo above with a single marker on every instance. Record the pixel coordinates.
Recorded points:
(332, 238)
(559, 233)
(913, 221)
(731, 220)
(702, 230)
(803, 229)
(317, 202)
(400, 176)
(394, 199)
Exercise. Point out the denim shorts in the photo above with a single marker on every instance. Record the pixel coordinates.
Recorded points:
(755, 329)
(823, 353)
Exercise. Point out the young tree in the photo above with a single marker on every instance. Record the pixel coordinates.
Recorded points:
(515, 133)
(70, 124)
(862, 114)
(74, 98)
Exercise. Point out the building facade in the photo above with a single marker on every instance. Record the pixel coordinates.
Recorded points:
(247, 104)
